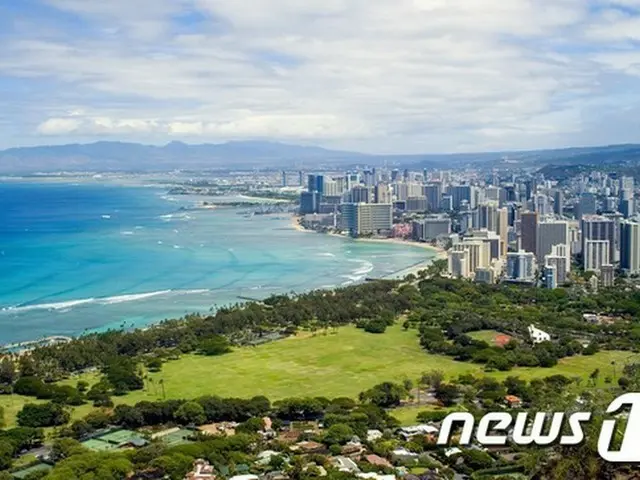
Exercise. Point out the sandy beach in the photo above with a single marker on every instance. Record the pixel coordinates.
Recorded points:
(414, 269)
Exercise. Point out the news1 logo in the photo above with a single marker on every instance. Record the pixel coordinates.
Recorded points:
(492, 429)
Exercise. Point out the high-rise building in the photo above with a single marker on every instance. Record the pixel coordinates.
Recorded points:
(330, 188)
(595, 254)
(414, 190)
(487, 236)
(301, 178)
(433, 192)
(382, 193)
(503, 230)
(627, 207)
(550, 233)
(520, 266)
(630, 247)
(463, 194)
(366, 218)
(488, 217)
(416, 204)
(401, 191)
(597, 227)
(558, 203)
(492, 194)
(315, 183)
(310, 202)
(529, 231)
(575, 237)
(560, 259)
(541, 204)
(459, 264)
(369, 178)
(485, 275)
(431, 228)
(360, 194)
(352, 179)
(479, 254)
(607, 275)
(446, 204)
(284, 178)
(627, 183)
(587, 205)
(550, 277)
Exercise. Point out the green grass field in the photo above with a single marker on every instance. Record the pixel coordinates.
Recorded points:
(488, 336)
(331, 365)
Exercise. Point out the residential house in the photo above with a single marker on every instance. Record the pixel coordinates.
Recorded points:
(512, 401)
(423, 429)
(377, 461)
(345, 464)
(201, 471)
(537, 335)
(403, 455)
(375, 476)
(246, 476)
(265, 456)
(449, 452)
(308, 447)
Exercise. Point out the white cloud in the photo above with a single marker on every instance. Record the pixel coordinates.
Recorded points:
(59, 126)
(389, 75)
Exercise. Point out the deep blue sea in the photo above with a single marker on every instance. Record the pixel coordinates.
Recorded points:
(87, 257)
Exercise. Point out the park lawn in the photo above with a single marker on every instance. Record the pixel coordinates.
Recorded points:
(488, 336)
(330, 365)
(12, 404)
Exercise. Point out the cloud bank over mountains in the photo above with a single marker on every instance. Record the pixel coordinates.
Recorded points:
(401, 76)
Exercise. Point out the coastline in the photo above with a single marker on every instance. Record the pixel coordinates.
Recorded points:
(440, 253)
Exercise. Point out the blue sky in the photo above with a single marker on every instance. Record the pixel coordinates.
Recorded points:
(379, 76)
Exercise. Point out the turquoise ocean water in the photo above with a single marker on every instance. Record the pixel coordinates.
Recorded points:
(88, 257)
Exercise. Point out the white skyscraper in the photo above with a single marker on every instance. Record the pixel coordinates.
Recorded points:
(560, 259)
(597, 227)
(595, 254)
(478, 254)
(521, 266)
(459, 264)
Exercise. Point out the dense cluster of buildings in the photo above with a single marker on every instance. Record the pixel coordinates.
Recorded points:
(533, 230)
(513, 228)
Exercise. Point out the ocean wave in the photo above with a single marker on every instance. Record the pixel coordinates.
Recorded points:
(353, 278)
(131, 298)
(49, 306)
(68, 305)
(365, 268)
(176, 216)
(106, 217)
(126, 233)
(326, 254)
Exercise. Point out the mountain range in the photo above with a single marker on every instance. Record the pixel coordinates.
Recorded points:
(105, 156)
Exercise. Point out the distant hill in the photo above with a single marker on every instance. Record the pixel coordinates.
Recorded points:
(120, 156)
(135, 157)
(622, 159)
